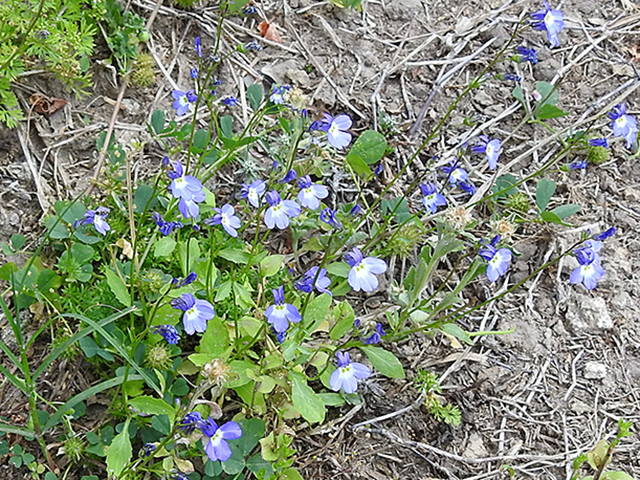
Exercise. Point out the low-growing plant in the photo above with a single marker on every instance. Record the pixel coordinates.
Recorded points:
(220, 317)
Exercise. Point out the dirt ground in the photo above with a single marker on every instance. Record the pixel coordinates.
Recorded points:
(531, 400)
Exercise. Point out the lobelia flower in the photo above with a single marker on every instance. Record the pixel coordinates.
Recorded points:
(249, 9)
(226, 217)
(196, 312)
(552, 21)
(508, 77)
(96, 218)
(253, 192)
(491, 148)
(362, 275)
(322, 124)
(194, 73)
(277, 93)
(459, 177)
(168, 332)
(610, 232)
(347, 374)
(310, 194)
(577, 165)
(230, 101)
(165, 227)
(198, 47)
(187, 189)
(290, 176)
(280, 314)
(378, 169)
(589, 271)
(599, 142)
(182, 101)
(431, 199)
(188, 280)
(498, 259)
(190, 422)
(355, 210)
(309, 281)
(177, 475)
(376, 336)
(337, 133)
(148, 449)
(217, 447)
(526, 54)
(255, 46)
(328, 216)
(623, 125)
(277, 215)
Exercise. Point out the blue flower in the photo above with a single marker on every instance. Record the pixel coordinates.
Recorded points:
(217, 447)
(337, 133)
(182, 101)
(226, 217)
(577, 165)
(249, 9)
(459, 176)
(290, 176)
(589, 271)
(431, 199)
(165, 227)
(187, 189)
(498, 259)
(198, 47)
(526, 54)
(177, 475)
(255, 46)
(194, 73)
(310, 194)
(230, 101)
(362, 275)
(312, 278)
(623, 125)
(347, 374)
(322, 124)
(253, 192)
(277, 93)
(599, 142)
(552, 21)
(96, 218)
(280, 314)
(188, 280)
(280, 336)
(508, 77)
(610, 232)
(355, 210)
(168, 332)
(491, 148)
(329, 216)
(190, 422)
(148, 449)
(376, 336)
(196, 312)
(277, 215)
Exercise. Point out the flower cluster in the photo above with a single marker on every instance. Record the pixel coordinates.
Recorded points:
(459, 177)
(588, 255)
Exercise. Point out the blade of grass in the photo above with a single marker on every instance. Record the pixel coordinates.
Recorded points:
(25, 432)
(17, 382)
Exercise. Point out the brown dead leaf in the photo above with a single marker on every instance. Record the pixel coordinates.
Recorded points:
(269, 32)
(46, 105)
(634, 51)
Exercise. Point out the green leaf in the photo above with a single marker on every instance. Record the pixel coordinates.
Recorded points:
(399, 208)
(339, 269)
(517, 94)
(457, 332)
(223, 291)
(291, 474)
(152, 406)
(157, 121)
(17, 241)
(503, 182)
(226, 125)
(235, 255)
(271, 265)
(119, 452)
(316, 312)
(564, 211)
(161, 423)
(257, 465)
(118, 287)
(370, 147)
(551, 218)
(384, 361)
(143, 198)
(82, 253)
(192, 257)
(200, 140)
(550, 111)
(359, 166)
(544, 192)
(616, 476)
(305, 400)
(164, 247)
(215, 339)
(252, 432)
(55, 228)
(344, 317)
(548, 92)
(254, 93)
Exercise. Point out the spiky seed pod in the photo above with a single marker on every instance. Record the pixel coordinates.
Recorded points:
(143, 73)
(519, 201)
(158, 357)
(598, 155)
(504, 228)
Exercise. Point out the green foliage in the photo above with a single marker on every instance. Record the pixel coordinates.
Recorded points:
(428, 385)
(124, 30)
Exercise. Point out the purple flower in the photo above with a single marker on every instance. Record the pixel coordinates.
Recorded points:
(196, 312)
(165, 227)
(290, 176)
(347, 374)
(148, 449)
(458, 176)
(188, 280)
(491, 148)
(249, 9)
(226, 217)
(329, 216)
(217, 447)
(599, 142)
(589, 271)
(337, 133)
(610, 232)
(362, 275)
(431, 198)
(182, 101)
(623, 125)
(526, 54)
(498, 259)
(310, 193)
(187, 189)
(194, 73)
(255, 46)
(253, 192)
(198, 47)
(177, 475)
(355, 210)
(280, 314)
(230, 101)
(376, 336)
(508, 77)
(96, 218)
(309, 281)
(190, 422)
(168, 332)
(322, 124)
(577, 165)
(277, 215)
(277, 93)
(552, 21)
